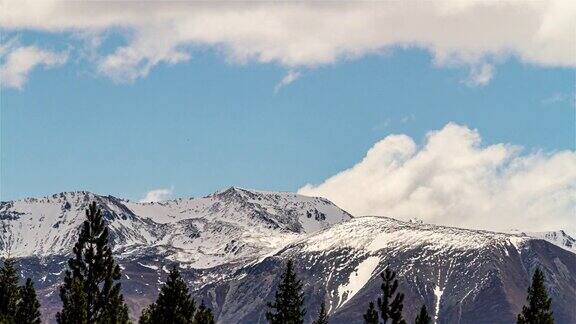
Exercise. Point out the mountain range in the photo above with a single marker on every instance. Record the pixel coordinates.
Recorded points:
(232, 246)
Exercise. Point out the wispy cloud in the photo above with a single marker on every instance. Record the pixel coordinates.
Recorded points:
(480, 75)
(301, 35)
(407, 118)
(157, 195)
(454, 180)
(554, 98)
(290, 77)
(19, 61)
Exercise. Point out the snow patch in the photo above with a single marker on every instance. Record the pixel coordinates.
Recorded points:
(438, 295)
(150, 266)
(357, 280)
(517, 242)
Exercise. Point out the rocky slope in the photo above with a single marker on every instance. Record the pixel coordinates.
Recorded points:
(462, 276)
(233, 246)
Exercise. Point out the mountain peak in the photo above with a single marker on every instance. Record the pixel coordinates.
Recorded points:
(559, 238)
(231, 192)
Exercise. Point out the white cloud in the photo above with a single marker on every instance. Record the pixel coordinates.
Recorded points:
(290, 77)
(18, 61)
(454, 180)
(157, 195)
(308, 34)
(480, 75)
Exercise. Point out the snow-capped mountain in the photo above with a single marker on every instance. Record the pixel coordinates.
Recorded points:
(233, 246)
(201, 232)
(463, 276)
(560, 238)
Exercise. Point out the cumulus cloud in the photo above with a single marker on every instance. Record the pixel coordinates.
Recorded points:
(453, 179)
(157, 195)
(18, 61)
(300, 35)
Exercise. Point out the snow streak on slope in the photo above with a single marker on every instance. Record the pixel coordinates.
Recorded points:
(438, 296)
(204, 232)
(357, 280)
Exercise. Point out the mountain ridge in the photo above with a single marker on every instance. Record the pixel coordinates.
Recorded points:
(232, 245)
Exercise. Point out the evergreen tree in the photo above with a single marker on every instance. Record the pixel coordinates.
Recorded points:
(423, 317)
(203, 315)
(146, 314)
(322, 316)
(28, 311)
(174, 304)
(9, 291)
(539, 309)
(371, 316)
(74, 302)
(91, 293)
(288, 306)
(390, 310)
(390, 304)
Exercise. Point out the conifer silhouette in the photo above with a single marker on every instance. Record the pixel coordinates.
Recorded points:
(390, 303)
(322, 315)
(9, 291)
(371, 315)
(174, 304)
(18, 304)
(390, 310)
(203, 315)
(288, 306)
(28, 310)
(91, 293)
(423, 317)
(539, 308)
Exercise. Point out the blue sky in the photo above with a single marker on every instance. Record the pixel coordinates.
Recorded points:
(201, 125)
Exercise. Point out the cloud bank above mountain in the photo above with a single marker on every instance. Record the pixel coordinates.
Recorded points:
(296, 35)
(453, 179)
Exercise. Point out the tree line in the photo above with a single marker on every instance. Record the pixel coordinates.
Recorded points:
(91, 293)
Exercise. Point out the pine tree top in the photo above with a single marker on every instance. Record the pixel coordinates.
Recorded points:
(28, 310)
(322, 315)
(539, 308)
(371, 315)
(91, 288)
(390, 303)
(9, 290)
(423, 317)
(174, 304)
(203, 315)
(288, 306)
